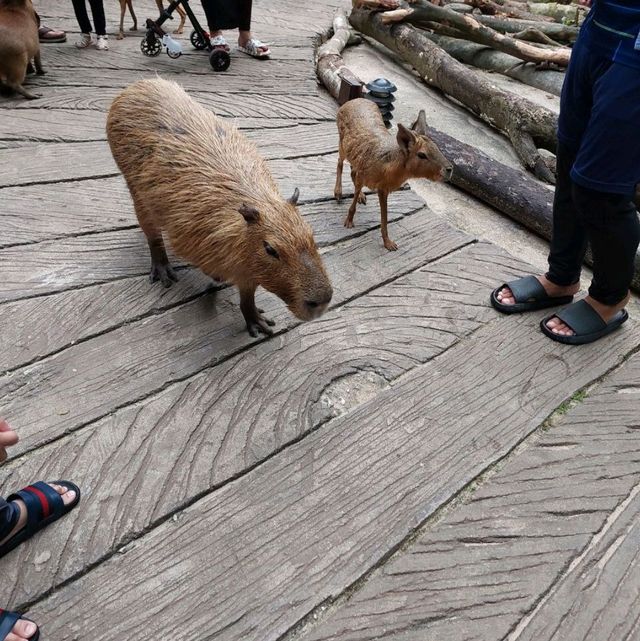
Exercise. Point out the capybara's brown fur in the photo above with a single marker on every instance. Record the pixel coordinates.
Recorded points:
(196, 178)
(381, 161)
(19, 44)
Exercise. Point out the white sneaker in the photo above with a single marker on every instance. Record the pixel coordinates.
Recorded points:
(85, 41)
(102, 43)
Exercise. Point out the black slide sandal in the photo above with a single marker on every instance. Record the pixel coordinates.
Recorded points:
(529, 295)
(585, 322)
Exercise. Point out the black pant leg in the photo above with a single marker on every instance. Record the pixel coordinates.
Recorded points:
(99, 20)
(613, 229)
(221, 14)
(80, 9)
(569, 239)
(244, 22)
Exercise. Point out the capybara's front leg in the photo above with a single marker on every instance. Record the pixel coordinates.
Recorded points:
(23, 92)
(160, 267)
(256, 322)
(38, 62)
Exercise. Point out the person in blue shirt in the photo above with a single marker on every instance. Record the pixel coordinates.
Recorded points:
(598, 169)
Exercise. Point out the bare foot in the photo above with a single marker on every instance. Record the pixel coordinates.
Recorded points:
(606, 312)
(68, 496)
(555, 291)
(22, 631)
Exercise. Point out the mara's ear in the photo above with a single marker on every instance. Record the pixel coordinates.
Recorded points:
(405, 137)
(420, 125)
(294, 198)
(250, 214)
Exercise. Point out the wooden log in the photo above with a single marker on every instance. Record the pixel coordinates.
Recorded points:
(471, 53)
(506, 9)
(555, 31)
(329, 63)
(470, 28)
(562, 13)
(527, 124)
(508, 190)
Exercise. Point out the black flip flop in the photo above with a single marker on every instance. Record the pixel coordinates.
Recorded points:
(44, 506)
(585, 322)
(529, 295)
(8, 621)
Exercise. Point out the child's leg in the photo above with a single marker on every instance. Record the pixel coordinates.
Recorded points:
(80, 9)
(605, 174)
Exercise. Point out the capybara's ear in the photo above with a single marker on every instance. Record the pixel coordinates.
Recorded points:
(294, 198)
(250, 214)
(420, 125)
(405, 137)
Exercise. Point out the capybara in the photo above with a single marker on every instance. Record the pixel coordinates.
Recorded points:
(380, 161)
(196, 178)
(19, 44)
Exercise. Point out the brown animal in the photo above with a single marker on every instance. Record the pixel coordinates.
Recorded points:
(129, 3)
(198, 179)
(19, 44)
(380, 161)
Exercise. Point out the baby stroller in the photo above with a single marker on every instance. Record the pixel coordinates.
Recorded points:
(156, 38)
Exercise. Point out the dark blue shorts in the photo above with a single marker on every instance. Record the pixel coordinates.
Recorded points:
(600, 120)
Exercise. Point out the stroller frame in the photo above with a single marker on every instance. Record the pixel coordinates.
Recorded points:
(152, 43)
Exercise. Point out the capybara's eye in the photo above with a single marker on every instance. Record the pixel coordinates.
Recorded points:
(422, 155)
(270, 250)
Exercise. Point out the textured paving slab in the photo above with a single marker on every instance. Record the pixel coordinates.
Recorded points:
(232, 487)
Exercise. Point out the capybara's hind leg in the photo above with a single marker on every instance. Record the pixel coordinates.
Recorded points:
(362, 199)
(160, 267)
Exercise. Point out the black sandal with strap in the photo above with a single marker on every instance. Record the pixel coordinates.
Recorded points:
(44, 506)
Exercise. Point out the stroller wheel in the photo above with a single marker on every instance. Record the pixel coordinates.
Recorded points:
(197, 41)
(220, 60)
(150, 47)
(174, 54)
